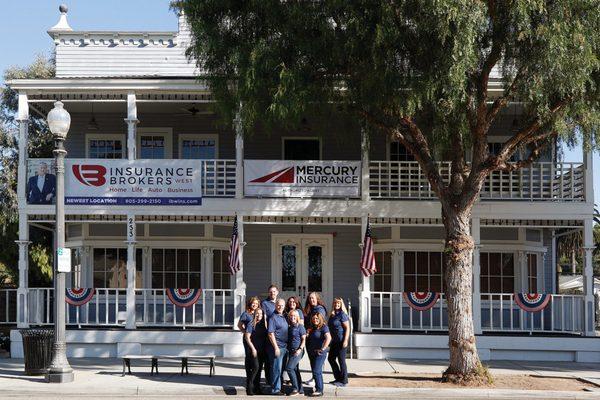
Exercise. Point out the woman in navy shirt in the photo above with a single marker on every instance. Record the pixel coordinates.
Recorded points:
(339, 326)
(296, 344)
(252, 304)
(317, 342)
(255, 340)
(314, 304)
(293, 306)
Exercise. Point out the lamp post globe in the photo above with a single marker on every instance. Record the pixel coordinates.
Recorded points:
(59, 371)
(59, 121)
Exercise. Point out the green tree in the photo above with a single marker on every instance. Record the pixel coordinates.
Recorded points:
(39, 145)
(417, 71)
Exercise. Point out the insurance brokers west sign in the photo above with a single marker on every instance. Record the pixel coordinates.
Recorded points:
(279, 178)
(133, 182)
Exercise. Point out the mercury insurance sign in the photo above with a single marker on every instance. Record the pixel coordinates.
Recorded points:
(280, 178)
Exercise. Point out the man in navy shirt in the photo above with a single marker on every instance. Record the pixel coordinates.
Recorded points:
(268, 304)
(278, 339)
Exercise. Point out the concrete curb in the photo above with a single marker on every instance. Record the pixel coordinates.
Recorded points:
(62, 391)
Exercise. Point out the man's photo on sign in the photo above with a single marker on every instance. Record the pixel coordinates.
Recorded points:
(41, 187)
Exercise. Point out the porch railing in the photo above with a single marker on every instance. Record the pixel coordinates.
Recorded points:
(389, 311)
(108, 307)
(499, 313)
(8, 306)
(564, 314)
(215, 308)
(558, 181)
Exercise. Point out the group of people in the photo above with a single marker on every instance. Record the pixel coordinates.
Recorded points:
(277, 334)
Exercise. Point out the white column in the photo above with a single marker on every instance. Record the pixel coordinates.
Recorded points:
(364, 164)
(132, 122)
(131, 271)
(22, 291)
(23, 122)
(239, 294)
(365, 289)
(588, 275)
(588, 159)
(476, 234)
(239, 157)
(207, 267)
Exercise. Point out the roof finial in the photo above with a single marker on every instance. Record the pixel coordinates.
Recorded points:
(62, 24)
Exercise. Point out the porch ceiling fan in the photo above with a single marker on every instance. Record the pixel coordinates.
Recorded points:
(193, 111)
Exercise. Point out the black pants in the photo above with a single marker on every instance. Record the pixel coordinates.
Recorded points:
(337, 360)
(254, 366)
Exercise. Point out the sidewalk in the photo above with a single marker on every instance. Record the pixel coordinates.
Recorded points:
(98, 378)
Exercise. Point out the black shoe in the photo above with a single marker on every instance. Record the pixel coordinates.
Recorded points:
(334, 382)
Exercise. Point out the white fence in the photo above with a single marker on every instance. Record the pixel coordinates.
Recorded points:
(8, 306)
(215, 308)
(389, 311)
(541, 181)
(108, 307)
(499, 313)
(564, 314)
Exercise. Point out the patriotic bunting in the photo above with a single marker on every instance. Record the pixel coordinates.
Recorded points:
(234, 249)
(79, 296)
(367, 259)
(421, 301)
(184, 297)
(532, 302)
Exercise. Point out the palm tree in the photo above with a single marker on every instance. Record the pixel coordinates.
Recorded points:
(571, 245)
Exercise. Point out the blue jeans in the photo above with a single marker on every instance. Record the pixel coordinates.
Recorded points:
(317, 362)
(276, 366)
(293, 369)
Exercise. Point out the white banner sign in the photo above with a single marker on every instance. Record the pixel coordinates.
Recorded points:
(136, 182)
(279, 178)
(63, 259)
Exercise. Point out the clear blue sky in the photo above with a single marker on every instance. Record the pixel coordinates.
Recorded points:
(25, 23)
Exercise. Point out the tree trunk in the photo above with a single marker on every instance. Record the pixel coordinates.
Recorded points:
(465, 366)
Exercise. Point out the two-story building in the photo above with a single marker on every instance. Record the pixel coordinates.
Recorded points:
(302, 199)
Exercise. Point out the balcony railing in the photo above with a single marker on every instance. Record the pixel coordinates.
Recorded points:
(499, 313)
(550, 181)
(108, 307)
(404, 180)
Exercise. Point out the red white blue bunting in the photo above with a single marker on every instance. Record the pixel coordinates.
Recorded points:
(421, 301)
(79, 296)
(532, 302)
(184, 297)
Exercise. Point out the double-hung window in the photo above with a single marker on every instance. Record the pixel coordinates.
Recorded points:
(154, 143)
(497, 272)
(423, 271)
(107, 146)
(176, 268)
(221, 275)
(199, 147)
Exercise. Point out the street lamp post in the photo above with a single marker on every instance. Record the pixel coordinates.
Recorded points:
(59, 371)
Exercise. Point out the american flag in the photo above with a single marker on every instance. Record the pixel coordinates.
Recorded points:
(367, 259)
(234, 249)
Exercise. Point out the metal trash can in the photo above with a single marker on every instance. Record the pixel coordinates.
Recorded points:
(37, 350)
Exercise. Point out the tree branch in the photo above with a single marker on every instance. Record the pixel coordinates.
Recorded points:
(523, 135)
(533, 156)
(413, 139)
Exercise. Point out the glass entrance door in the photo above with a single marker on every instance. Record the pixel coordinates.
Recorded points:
(302, 264)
